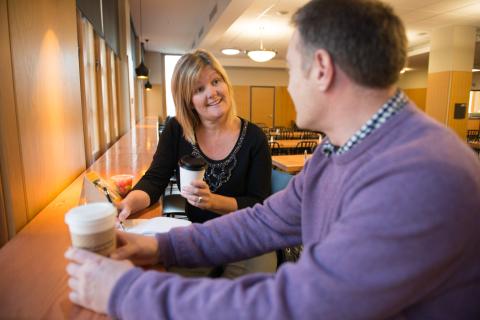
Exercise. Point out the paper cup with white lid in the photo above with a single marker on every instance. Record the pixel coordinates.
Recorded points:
(92, 227)
(191, 168)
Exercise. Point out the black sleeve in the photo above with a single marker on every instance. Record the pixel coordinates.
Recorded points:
(259, 170)
(163, 164)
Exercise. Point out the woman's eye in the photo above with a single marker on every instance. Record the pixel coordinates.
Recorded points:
(216, 81)
(199, 90)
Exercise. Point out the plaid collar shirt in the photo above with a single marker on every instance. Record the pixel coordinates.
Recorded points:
(386, 111)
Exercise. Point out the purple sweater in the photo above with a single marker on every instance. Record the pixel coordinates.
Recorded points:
(391, 229)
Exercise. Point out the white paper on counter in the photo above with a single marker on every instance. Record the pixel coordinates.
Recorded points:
(154, 225)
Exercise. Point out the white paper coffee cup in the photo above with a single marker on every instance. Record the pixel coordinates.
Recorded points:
(92, 227)
(191, 168)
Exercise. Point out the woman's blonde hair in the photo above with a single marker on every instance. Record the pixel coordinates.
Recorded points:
(184, 79)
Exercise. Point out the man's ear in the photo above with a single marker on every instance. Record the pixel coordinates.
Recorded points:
(323, 68)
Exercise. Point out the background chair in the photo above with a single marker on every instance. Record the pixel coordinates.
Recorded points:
(309, 135)
(279, 181)
(274, 148)
(473, 135)
(303, 146)
(173, 203)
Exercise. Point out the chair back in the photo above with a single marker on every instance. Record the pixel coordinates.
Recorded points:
(279, 180)
(303, 146)
(473, 135)
(274, 148)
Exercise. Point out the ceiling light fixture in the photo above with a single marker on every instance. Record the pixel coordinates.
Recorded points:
(230, 51)
(141, 70)
(261, 55)
(475, 70)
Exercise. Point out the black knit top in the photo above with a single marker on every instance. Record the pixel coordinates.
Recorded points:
(244, 174)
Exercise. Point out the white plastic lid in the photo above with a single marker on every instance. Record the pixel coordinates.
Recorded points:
(91, 218)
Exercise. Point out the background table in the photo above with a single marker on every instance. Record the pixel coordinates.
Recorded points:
(33, 280)
(290, 163)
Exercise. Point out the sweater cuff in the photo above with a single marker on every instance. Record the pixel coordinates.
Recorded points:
(166, 255)
(120, 290)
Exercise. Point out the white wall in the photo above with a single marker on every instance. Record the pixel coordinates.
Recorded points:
(413, 79)
(154, 63)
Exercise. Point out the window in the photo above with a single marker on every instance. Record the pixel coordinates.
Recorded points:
(474, 104)
(98, 78)
(170, 62)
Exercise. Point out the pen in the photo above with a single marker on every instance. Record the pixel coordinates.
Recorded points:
(107, 194)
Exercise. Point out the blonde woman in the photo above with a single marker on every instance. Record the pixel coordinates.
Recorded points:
(235, 150)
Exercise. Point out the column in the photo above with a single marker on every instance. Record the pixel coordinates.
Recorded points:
(450, 75)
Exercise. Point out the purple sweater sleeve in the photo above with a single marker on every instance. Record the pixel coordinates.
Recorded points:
(236, 236)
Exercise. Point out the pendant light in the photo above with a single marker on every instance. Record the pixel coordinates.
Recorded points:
(262, 54)
(148, 85)
(141, 70)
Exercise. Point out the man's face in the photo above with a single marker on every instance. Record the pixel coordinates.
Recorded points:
(300, 85)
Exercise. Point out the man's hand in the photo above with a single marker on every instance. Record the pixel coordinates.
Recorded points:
(141, 250)
(92, 278)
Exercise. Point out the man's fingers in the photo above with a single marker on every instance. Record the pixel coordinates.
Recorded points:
(73, 269)
(73, 296)
(80, 255)
(73, 284)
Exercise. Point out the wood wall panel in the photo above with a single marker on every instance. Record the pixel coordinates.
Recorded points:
(123, 69)
(473, 124)
(262, 105)
(241, 95)
(284, 108)
(11, 168)
(418, 96)
(438, 96)
(3, 217)
(461, 81)
(46, 74)
(154, 102)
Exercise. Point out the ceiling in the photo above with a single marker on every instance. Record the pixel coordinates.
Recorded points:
(178, 26)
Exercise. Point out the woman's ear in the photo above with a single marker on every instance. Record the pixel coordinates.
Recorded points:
(323, 69)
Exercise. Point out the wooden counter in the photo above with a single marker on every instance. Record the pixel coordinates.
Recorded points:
(33, 280)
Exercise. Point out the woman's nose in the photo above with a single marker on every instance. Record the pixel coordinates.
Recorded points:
(210, 90)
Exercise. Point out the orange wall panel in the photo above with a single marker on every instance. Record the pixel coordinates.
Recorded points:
(438, 95)
(47, 89)
(241, 95)
(418, 96)
(460, 91)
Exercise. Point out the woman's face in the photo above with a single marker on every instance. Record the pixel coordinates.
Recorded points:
(211, 98)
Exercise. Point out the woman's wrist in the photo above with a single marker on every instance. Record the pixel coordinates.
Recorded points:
(223, 204)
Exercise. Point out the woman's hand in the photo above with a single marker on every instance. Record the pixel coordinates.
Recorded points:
(124, 210)
(92, 278)
(135, 201)
(198, 194)
(141, 250)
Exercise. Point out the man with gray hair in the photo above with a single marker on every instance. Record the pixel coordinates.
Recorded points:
(387, 208)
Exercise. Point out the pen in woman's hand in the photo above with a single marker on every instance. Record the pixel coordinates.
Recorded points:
(109, 198)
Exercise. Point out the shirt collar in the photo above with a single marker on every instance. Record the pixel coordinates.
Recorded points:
(396, 103)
